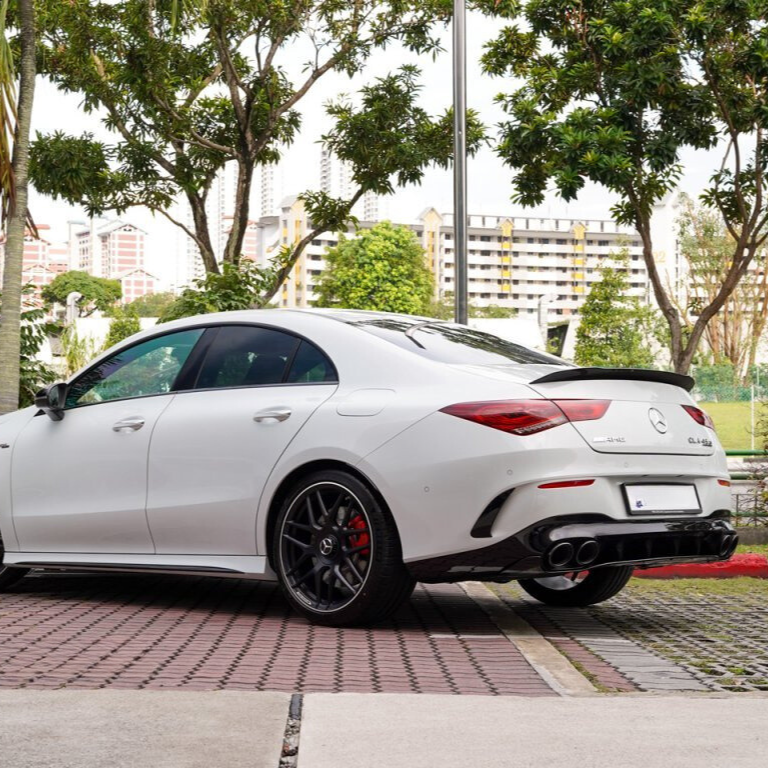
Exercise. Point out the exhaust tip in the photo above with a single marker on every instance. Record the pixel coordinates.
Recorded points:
(587, 553)
(560, 555)
(728, 545)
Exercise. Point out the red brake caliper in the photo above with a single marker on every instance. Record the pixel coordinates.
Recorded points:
(362, 539)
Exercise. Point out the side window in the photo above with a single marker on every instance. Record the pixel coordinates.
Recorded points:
(247, 356)
(311, 366)
(149, 368)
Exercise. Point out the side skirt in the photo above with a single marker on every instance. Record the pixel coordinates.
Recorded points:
(228, 566)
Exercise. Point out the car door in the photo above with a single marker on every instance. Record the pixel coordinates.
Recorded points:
(216, 444)
(80, 484)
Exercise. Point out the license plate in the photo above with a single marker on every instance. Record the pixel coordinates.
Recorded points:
(658, 499)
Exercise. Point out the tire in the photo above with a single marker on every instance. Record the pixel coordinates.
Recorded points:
(337, 553)
(597, 586)
(9, 576)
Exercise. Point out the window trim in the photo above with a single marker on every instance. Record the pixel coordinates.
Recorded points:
(197, 357)
(195, 374)
(171, 391)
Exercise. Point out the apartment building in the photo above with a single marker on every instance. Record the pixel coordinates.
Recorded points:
(115, 250)
(522, 262)
(42, 259)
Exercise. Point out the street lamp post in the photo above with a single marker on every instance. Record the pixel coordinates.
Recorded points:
(460, 157)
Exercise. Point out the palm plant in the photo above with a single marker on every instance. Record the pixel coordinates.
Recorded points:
(15, 121)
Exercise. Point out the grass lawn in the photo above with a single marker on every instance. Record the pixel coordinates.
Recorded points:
(756, 549)
(741, 587)
(733, 423)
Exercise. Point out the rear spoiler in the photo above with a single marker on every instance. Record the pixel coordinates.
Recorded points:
(632, 374)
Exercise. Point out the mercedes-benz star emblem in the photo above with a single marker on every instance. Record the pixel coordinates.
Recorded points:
(327, 545)
(658, 420)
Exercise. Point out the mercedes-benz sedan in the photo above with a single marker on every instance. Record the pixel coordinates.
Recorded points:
(349, 454)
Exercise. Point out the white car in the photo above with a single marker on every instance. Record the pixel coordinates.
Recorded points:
(350, 454)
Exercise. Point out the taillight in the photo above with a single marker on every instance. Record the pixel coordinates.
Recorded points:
(699, 416)
(527, 417)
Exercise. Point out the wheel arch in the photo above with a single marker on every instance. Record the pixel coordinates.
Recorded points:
(278, 497)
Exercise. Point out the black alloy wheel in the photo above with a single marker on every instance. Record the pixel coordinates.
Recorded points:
(578, 589)
(337, 552)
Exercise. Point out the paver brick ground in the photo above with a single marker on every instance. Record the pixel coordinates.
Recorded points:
(113, 631)
(663, 635)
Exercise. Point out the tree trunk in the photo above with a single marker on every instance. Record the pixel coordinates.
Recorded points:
(200, 219)
(234, 247)
(10, 312)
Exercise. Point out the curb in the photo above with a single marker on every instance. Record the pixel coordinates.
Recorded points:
(754, 566)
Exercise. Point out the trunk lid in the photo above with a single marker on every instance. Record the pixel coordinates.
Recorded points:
(645, 416)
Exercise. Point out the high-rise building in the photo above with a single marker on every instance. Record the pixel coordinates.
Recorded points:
(522, 262)
(116, 250)
(42, 260)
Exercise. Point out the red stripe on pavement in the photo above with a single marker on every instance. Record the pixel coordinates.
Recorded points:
(755, 566)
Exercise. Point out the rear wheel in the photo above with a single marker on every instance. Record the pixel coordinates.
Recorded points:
(337, 552)
(9, 576)
(579, 588)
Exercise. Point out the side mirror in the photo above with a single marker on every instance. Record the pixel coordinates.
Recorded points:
(51, 400)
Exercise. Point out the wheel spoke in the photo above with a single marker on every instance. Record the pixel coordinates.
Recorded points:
(358, 548)
(295, 567)
(300, 544)
(311, 513)
(323, 508)
(340, 576)
(353, 567)
(299, 526)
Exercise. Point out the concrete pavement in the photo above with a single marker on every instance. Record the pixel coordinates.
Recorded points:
(601, 732)
(174, 729)
(128, 729)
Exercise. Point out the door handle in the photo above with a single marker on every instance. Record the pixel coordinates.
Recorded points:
(278, 414)
(128, 425)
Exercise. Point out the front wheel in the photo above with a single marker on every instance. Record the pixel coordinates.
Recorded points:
(337, 552)
(579, 589)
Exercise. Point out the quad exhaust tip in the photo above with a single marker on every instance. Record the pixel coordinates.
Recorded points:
(573, 553)
(728, 545)
(560, 555)
(587, 553)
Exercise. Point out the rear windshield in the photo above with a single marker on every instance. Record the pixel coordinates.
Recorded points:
(454, 343)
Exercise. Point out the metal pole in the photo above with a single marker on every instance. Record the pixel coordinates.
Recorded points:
(460, 157)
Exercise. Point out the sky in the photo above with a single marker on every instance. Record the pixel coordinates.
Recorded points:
(489, 181)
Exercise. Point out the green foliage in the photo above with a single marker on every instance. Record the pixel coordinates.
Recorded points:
(612, 92)
(239, 286)
(97, 293)
(78, 350)
(124, 323)
(384, 269)
(445, 309)
(151, 304)
(614, 328)
(33, 374)
(186, 87)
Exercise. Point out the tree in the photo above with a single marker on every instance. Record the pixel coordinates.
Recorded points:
(238, 286)
(34, 330)
(383, 269)
(124, 323)
(445, 309)
(188, 88)
(614, 327)
(614, 89)
(706, 246)
(96, 293)
(152, 304)
(15, 118)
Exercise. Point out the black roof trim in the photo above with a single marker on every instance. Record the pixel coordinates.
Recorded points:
(632, 374)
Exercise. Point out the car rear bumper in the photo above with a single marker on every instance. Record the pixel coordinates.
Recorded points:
(579, 542)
